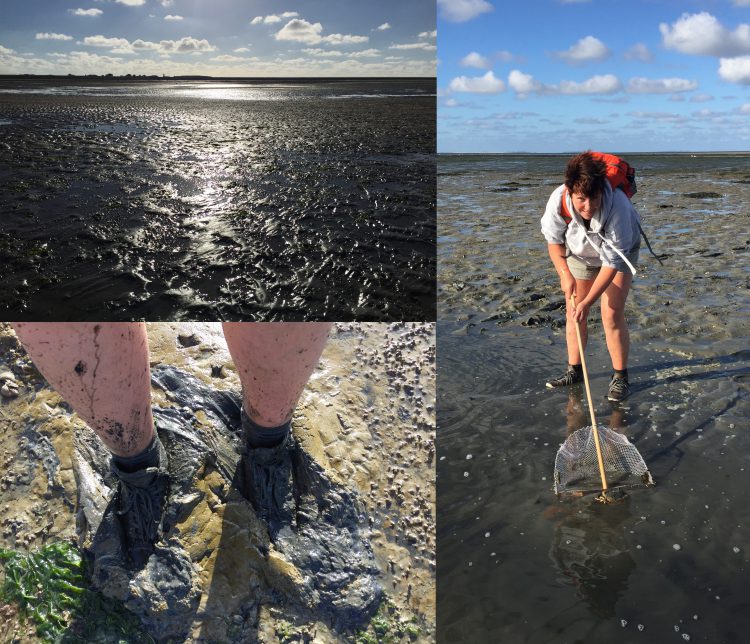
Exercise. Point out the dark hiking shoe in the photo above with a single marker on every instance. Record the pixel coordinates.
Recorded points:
(139, 506)
(619, 389)
(570, 377)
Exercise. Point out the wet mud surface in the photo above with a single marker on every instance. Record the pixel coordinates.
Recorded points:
(364, 435)
(668, 563)
(205, 202)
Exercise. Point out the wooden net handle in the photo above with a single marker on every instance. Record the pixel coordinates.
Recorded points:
(588, 398)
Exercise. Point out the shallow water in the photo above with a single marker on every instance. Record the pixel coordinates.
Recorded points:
(671, 562)
(218, 200)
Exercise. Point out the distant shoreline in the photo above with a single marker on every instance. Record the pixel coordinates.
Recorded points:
(223, 79)
(624, 154)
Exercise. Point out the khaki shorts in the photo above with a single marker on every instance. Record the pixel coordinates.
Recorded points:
(583, 272)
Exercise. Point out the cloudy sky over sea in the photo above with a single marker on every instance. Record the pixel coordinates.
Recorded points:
(219, 37)
(564, 75)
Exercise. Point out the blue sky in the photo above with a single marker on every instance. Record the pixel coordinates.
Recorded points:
(219, 37)
(567, 75)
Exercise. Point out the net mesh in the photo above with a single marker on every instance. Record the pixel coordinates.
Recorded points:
(577, 468)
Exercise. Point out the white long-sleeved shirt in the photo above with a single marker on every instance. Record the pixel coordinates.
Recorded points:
(617, 222)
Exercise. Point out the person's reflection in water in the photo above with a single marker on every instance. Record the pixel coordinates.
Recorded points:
(577, 413)
(588, 548)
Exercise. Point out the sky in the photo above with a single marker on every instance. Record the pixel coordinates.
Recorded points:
(219, 37)
(613, 75)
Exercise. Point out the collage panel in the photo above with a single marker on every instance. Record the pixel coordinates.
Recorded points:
(243, 526)
(592, 495)
(235, 162)
(217, 328)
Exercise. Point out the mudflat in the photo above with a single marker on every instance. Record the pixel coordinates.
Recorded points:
(517, 564)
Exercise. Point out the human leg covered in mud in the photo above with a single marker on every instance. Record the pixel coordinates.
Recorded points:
(102, 371)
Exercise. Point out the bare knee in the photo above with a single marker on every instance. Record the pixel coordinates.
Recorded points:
(613, 317)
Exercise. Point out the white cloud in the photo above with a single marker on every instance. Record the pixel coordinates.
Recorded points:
(639, 51)
(523, 84)
(273, 18)
(735, 70)
(415, 45)
(86, 12)
(123, 46)
(322, 53)
(341, 39)
(657, 116)
(299, 30)
(384, 26)
(226, 58)
(364, 53)
(606, 84)
(742, 3)
(167, 3)
(170, 17)
(241, 50)
(463, 10)
(701, 98)
(641, 85)
(486, 84)
(744, 108)
(132, 3)
(5, 50)
(47, 36)
(586, 50)
(475, 60)
(504, 56)
(702, 34)
(428, 34)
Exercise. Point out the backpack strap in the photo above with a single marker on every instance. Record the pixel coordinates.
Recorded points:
(563, 209)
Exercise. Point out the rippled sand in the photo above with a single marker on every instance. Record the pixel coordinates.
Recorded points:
(316, 204)
(516, 563)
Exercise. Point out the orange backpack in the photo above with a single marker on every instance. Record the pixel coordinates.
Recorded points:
(620, 174)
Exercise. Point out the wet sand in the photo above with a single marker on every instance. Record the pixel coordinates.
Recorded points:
(668, 564)
(211, 201)
(369, 418)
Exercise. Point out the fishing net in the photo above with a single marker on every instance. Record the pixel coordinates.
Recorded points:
(577, 468)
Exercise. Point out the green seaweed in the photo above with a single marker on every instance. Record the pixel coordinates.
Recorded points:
(387, 627)
(50, 588)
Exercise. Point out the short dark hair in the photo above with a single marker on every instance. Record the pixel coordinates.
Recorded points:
(586, 175)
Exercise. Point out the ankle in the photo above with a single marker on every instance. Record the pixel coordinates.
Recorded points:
(620, 373)
(149, 457)
(259, 436)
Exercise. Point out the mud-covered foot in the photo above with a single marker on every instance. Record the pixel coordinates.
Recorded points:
(316, 524)
(139, 507)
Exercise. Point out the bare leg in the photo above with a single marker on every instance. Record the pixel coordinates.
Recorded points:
(274, 361)
(574, 356)
(102, 371)
(613, 318)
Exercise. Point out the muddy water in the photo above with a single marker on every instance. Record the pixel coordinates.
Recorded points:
(369, 418)
(667, 564)
(206, 201)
